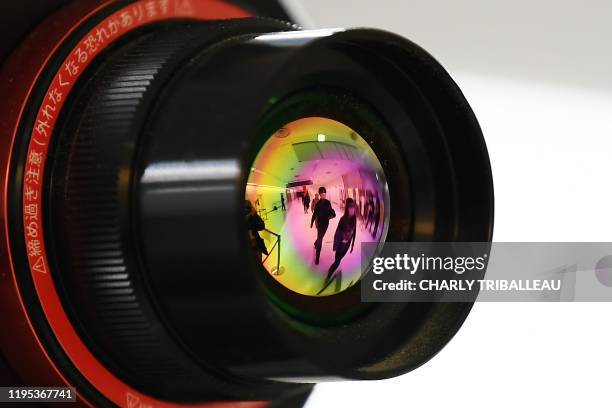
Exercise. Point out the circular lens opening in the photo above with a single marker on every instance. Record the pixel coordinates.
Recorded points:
(316, 192)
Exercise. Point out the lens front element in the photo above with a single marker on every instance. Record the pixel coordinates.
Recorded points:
(316, 191)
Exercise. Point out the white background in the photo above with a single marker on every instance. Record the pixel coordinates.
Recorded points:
(538, 75)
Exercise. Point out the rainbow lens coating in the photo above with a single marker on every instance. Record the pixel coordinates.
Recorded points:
(315, 192)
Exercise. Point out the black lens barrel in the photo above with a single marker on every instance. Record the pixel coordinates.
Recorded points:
(147, 186)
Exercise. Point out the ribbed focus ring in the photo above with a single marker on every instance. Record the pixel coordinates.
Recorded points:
(92, 202)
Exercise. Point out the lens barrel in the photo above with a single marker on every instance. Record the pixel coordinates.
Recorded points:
(144, 195)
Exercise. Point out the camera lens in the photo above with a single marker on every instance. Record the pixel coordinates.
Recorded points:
(198, 204)
(313, 175)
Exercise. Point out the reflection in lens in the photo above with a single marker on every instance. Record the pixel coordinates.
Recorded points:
(315, 192)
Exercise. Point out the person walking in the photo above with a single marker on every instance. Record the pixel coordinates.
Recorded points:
(306, 201)
(369, 212)
(322, 213)
(283, 202)
(344, 238)
(376, 215)
(314, 202)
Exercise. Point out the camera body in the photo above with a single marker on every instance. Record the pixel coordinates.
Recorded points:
(138, 132)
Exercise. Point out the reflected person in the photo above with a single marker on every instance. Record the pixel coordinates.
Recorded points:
(344, 238)
(254, 224)
(306, 202)
(322, 213)
(314, 202)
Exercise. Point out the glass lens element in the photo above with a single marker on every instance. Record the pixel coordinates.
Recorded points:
(315, 192)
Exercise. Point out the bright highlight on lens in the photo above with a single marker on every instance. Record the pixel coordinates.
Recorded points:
(316, 191)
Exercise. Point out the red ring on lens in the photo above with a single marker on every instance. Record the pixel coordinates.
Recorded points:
(19, 78)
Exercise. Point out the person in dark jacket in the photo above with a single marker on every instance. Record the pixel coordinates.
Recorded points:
(322, 213)
(344, 238)
(283, 202)
(369, 212)
(314, 202)
(306, 201)
(376, 215)
(255, 224)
